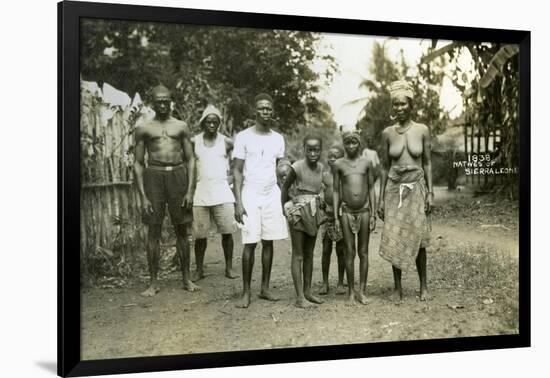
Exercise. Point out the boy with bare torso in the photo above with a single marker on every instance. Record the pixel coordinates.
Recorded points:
(354, 202)
(331, 232)
(165, 181)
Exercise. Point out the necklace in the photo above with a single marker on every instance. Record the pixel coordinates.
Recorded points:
(403, 130)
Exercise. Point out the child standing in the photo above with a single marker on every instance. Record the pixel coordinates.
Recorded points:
(354, 201)
(304, 217)
(331, 232)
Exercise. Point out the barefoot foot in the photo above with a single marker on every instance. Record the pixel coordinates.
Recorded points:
(303, 303)
(197, 275)
(424, 295)
(324, 289)
(190, 286)
(361, 298)
(351, 299)
(396, 296)
(243, 302)
(340, 289)
(312, 298)
(267, 296)
(229, 273)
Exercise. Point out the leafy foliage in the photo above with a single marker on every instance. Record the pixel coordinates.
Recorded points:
(377, 111)
(491, 96)
(221, 65)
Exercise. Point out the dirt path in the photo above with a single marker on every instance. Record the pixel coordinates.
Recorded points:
(121, 323)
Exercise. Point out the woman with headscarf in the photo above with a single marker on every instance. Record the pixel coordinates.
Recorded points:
(406, 191)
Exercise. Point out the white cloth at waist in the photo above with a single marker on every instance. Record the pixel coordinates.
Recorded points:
(213, 192)
(260, 188)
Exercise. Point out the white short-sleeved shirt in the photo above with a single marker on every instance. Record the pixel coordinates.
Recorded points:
(260, 153)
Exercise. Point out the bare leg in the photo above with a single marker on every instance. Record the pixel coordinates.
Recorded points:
(309, 245)
(363, 252)
(422, 274)
(397, 294)
(267, 261)
(153, 246)
(340, 254)
(349, 242)
(200, 249)
(182, 246)
(325, 263)
(298, 240)
(227, 245)
(248, 264)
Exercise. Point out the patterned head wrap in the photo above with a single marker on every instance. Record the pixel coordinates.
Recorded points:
(351, 134)
(401, 88)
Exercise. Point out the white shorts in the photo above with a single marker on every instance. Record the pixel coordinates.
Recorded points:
(264, 219)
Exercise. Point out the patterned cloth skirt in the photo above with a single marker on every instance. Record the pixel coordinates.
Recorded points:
(406, 227)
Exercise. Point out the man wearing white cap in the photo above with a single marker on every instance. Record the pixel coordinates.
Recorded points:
(258, 197)
(213, 198)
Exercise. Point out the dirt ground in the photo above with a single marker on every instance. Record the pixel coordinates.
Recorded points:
(118, 322)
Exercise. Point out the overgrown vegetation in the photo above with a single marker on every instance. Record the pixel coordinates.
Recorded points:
(490, 91)
(426, 83)
(491, 274)
(483, 211)
(221, 65)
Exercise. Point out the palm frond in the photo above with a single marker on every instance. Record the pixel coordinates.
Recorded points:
(439, 52)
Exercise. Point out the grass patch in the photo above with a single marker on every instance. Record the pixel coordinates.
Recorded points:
(480, 210)
(482, 269)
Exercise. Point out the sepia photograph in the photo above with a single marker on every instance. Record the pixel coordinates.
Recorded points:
(256, 189)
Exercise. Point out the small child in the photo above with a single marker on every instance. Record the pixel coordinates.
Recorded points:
(304, 217)
(354, 202)
(284, 166)
(330, 232)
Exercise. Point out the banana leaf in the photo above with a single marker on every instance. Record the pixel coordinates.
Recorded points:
(496, 64)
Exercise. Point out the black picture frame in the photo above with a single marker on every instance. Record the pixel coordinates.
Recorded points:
(69, 360)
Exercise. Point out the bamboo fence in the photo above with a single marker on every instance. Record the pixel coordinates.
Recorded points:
(109, 202)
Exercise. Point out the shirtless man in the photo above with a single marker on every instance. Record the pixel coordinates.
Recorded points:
(354, 185)
(406, 191)
(329, 232)
(165, 182)
(258, 197)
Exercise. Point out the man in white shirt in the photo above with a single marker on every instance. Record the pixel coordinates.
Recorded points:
(258, 197)
(213, 198)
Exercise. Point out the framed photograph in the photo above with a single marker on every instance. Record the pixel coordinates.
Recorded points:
(240, 188)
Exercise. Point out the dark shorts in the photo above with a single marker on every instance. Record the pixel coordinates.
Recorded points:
(166, 188)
